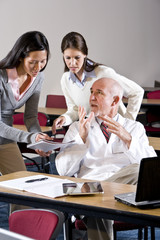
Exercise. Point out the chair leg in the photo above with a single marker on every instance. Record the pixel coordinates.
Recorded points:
(115, 234)
(45, 163)
(140, 234)
(145, 233)
(152, 233)
(67, 229)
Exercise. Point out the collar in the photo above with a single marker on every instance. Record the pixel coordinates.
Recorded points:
(85, 75)
(99, 121)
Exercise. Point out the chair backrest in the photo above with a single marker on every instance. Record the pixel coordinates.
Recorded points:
(38, 224)
(18, 118)
(154, 95)
(56, 101)
(43, 119)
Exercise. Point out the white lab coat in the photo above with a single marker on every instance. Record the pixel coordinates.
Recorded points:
(97, 159)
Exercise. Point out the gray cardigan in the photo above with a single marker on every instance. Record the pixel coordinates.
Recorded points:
(8, 104)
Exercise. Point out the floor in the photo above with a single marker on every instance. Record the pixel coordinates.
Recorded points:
(125, 235)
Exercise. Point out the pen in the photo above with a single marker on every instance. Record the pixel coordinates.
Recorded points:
(36, 180)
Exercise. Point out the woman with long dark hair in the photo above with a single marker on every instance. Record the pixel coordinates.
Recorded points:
(80, 73)
(21, 78)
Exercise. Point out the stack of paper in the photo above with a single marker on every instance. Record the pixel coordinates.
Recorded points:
(48, 145)
(39, 184)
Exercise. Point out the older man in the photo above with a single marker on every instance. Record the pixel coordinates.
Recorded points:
(107, 146)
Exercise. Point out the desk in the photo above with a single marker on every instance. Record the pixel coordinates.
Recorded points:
(48, 111)
(23, 128)
(150, 102)
(101, 205)
(154, 142)
(146, 102)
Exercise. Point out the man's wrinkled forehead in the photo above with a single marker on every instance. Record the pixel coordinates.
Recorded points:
(98, 89)
(106, 85)
(100, 85)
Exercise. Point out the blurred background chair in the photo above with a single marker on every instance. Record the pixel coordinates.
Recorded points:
(18, 119)
(153, 116)
(39, 224)
(118, 226)
(124, 226)
(57, 101)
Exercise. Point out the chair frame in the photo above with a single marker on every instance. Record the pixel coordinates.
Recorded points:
(118, 226)
(58, 228)
(122, 226)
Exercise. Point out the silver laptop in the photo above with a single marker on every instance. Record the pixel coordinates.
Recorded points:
(148, 187)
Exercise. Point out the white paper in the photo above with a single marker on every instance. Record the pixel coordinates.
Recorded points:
(51, 187)
(46, 145)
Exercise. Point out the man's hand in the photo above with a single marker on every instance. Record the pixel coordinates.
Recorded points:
(116, 128)
(84, 124)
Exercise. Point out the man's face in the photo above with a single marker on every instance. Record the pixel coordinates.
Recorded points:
(101, 99)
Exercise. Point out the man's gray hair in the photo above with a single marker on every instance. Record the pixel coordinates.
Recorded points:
(117, 90)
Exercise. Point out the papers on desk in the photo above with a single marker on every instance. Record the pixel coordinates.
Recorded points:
(48, 145)
(38, 184)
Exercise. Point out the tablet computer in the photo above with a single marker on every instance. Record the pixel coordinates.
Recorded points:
(82, 188)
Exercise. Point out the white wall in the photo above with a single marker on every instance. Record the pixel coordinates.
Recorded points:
(123, 34)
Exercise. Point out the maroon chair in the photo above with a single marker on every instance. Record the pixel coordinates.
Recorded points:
(153, 116)
(18, 119)
(56, 101)
(38, 224)
(154, 95)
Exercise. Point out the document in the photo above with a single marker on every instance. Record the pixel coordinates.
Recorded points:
(38, 184)
(48, 145)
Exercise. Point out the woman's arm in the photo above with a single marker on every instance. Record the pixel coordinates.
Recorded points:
(139, 147)
(31, 113)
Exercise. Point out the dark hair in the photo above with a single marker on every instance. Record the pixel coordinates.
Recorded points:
(28, 42)
(77, 41)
